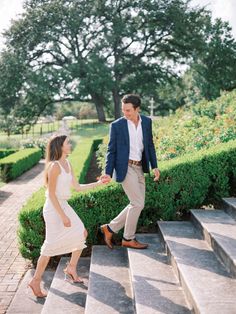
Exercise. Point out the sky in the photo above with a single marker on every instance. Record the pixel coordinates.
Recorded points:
(9, 9)
(225, 9)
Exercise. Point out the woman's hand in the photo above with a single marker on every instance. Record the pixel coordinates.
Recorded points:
(66, 221)
(105, 179)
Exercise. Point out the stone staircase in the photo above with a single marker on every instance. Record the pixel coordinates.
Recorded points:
(190, 267)
(109, 289)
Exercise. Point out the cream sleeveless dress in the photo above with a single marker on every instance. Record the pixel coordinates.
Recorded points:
(60, 239)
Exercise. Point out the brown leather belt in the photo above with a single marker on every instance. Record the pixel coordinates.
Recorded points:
(135, 162)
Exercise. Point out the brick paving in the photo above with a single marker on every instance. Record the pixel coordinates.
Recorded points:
(12, 265)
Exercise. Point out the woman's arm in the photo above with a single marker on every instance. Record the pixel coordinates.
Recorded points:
(53, 173)
(83, 187)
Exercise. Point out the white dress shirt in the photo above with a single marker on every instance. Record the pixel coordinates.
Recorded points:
(135, 140)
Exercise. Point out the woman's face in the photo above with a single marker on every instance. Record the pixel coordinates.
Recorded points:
(66, 147)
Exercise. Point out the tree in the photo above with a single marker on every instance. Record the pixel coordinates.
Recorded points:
(169, 96)
(11, 80)
(144, 39)
(57, 35)
(214, 70)
(102, 49)
(24, 93)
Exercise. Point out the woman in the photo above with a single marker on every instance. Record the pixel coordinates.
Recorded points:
(65, 231)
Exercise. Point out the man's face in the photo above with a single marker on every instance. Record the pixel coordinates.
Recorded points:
(129, 111)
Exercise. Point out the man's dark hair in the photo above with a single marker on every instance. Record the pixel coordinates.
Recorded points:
(133, 99)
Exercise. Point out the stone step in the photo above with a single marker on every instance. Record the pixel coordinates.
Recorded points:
(109, 282)
(155, 286)
(24, 301)
(230, 206)
(65, 296)
(219, 230)
(206, 282)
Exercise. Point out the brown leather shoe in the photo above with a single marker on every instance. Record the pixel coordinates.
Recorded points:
(134, 244)
(107, 236)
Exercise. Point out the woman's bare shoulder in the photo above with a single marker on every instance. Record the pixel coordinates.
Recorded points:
(54, 167)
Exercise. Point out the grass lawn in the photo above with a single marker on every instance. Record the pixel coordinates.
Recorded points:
(40, 129)
(89, 131)
(81, 131)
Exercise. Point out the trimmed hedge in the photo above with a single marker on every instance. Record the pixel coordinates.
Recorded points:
(6, 152)
(32, 229)
(186, 182)
(85, 153)
(15, 164)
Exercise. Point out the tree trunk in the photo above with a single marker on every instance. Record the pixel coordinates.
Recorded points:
(116, 99)
(99, 104)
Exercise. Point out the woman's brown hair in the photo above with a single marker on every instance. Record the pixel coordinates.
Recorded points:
(53, 152)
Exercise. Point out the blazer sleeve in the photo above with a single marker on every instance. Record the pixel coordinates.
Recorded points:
(111, 152)
(151, 148)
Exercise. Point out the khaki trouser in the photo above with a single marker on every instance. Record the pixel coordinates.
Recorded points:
(134, 187)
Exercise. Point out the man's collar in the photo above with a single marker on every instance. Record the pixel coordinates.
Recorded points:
(140, 119)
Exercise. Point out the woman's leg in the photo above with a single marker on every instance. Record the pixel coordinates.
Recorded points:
(72, 266)
(34, 284)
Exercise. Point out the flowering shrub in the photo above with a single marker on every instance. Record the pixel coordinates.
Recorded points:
(194, 128)
(191, 128)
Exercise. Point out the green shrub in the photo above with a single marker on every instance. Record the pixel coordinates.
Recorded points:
(191, 128)
(15, 164)
(186, 182)
(196, 127)
(32, 229)
(40, 142)
(6, 152)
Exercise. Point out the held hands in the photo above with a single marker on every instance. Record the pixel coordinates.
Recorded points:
(105, 178)
(66, 221)
(156, 172)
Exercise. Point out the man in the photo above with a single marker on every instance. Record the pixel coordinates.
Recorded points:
(130, 151)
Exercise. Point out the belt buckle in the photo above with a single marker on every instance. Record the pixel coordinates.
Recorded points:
(134, 162)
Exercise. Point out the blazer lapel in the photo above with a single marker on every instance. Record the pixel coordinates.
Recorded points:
(126, 131)
(144, 131)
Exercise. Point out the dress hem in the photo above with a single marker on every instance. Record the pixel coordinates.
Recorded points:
(51, 253)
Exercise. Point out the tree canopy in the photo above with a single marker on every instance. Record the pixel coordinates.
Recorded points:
(98, 50)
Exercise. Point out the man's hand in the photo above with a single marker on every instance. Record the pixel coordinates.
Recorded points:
(105, 178)
(156, 174)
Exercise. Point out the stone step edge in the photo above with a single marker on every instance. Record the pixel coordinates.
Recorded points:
(230, 208)
(218, 249)
(180, 276)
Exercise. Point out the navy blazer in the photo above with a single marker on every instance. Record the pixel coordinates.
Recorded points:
(118, 148)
